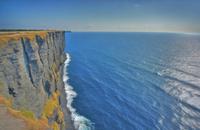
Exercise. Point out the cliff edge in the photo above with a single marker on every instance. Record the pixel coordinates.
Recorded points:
(32, 95)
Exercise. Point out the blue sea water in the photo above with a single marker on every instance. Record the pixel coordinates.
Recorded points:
(135, 81)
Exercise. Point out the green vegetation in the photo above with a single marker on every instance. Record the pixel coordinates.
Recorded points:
(1, 87)
(31, 122)
(55, 126)
(52, 105)
(29, 118)
(56, 73)
(27, 114)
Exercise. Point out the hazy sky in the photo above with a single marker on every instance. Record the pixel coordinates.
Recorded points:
(102, 15)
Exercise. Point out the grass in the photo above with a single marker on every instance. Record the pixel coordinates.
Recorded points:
(31, 122)
(55, 71)
(55, 126)
(27, 114)
(1, 87)
(6, 102)
(51, 105)
(29, 118)
(49, 108)
(5, 37)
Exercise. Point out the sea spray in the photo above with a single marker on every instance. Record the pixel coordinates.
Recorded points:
(80, 122)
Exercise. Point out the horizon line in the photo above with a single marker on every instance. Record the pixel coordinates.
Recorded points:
(99, 31)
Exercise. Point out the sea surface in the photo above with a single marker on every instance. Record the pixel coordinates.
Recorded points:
(133, 81)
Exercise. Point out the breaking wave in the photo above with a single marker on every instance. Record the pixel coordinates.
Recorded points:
(80, 122)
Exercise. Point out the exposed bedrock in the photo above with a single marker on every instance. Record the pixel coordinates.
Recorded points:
(31, 75)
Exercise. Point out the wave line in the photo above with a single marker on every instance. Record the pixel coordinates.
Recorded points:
(80, 122)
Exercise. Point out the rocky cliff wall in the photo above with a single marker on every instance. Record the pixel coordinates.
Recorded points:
(31, 68)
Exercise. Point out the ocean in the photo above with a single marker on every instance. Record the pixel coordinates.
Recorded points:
(133, 81)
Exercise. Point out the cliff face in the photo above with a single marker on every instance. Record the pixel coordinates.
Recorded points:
(31, 77)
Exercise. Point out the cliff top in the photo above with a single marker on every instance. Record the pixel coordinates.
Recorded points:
(14, 35)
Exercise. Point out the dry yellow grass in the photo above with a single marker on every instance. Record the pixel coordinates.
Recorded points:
(5, 37)
(1, 87)
(32, 123)
(28, 117)
(56, 73)
(51, 105)
(6, 102)
(55, 126)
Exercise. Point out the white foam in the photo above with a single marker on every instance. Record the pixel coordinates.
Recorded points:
(80, 122)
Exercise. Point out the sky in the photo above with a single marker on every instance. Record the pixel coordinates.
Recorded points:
(102, 15)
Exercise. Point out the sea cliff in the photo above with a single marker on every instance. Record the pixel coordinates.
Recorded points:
(32, 92)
